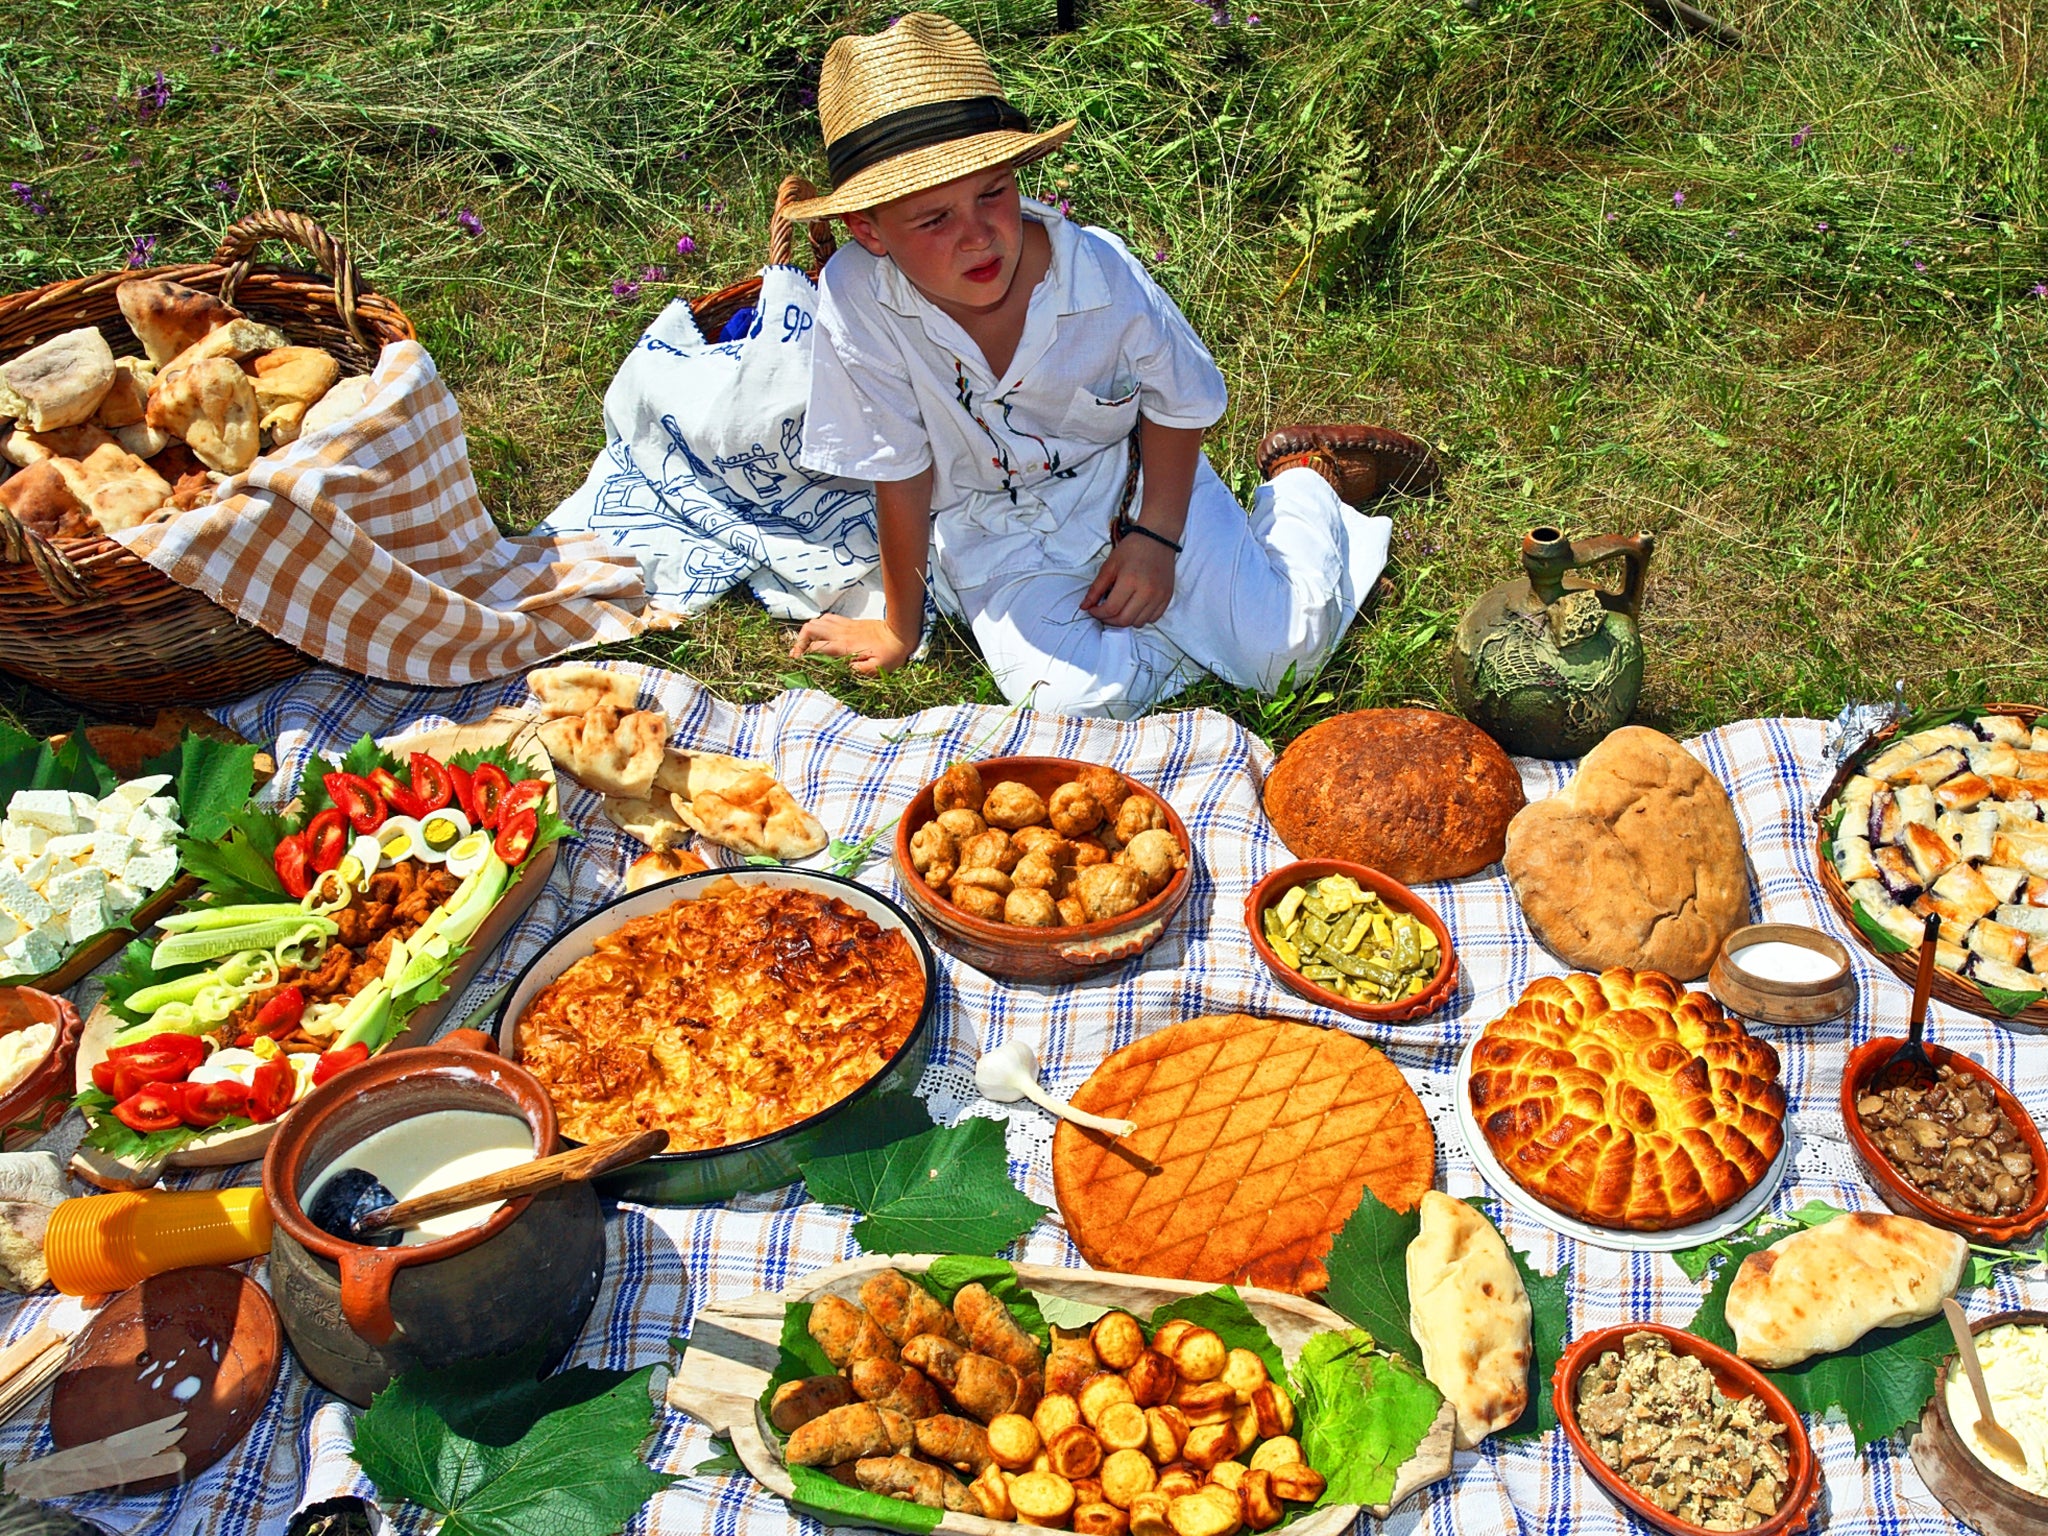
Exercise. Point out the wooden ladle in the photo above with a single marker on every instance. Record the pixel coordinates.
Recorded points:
(1910, 1062)
(1995, 1439)
(537, 1177)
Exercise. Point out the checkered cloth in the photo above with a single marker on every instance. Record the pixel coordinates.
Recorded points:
(662, 1265)
(366, 545)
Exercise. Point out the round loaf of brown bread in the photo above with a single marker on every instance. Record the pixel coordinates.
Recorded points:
(1413, 793)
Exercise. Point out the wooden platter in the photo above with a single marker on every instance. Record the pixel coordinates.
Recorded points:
(518, 735)
(733, 1345)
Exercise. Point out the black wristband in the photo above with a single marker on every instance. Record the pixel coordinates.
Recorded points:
(1125, 525)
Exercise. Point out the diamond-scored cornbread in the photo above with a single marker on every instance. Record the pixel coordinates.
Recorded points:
(1254, 1140)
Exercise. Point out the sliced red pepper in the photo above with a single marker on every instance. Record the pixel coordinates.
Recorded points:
(526, 795)
(271, 1090)
(333, 1063)
(294, 864)
(430, 781)
(281, 1014)
(327, 840)
(465, 791)
(153, 1107)
(490, 784)
(202, 1105)
(515, 836)
(357, 798)
(397, 793)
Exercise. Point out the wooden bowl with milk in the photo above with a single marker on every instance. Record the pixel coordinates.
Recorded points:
(1783, 973)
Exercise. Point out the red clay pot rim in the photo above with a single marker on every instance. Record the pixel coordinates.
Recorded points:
(923, 896)
(36, 1090)
(1865, 1059)
(1301, 871)
(295, 1133)
(2029, 1499)
(1797, 1504)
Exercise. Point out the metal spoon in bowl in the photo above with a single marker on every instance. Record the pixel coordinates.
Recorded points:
(1998, 1441)
(1010, 1072)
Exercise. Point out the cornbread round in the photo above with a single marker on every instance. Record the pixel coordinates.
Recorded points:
(1626, 1101)
(1414, 793)
(1254, 1140)
(723, 1017)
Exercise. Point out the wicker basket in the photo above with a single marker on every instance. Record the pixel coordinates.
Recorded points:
(1956, 991)
(714, 310)
(90, 622)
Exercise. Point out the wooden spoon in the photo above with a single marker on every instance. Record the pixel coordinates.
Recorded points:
(532, 1178)
(1999, 1442)
(1910, 1062)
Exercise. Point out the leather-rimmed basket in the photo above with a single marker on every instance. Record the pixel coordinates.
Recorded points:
(94, 624)
(1956, 991)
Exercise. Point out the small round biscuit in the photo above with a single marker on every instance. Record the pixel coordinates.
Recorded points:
(1013, 805)
(1029, 907)
(959, 788)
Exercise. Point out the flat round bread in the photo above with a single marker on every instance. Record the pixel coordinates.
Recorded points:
(1254, 1140)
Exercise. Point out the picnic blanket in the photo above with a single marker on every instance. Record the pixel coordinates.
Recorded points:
(367, 545)
(699, 476)
(664, 1265)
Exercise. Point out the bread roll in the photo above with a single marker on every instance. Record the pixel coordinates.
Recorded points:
(1470, 1315)
(1822, 1289)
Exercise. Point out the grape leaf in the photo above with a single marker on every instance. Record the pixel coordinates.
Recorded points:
(945, 1191)
(945, 1277)
(798, 1355)
(497, 1453)
(1223, 1311)
(2006, 1000)
(109, 1135)
(832, 1502)
(1882, 939)
(362, 758)
(208, 779)
(133, 972)
(549, 827)
(1064, 1312)
(239, 864)
(1697, 1261)
(723, 1461)
(1363, 1415)
(1550, 1320)
(1368, 1267)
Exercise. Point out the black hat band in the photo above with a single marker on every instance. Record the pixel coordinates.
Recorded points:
(937, 122)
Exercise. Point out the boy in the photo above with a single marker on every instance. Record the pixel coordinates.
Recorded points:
(1001, 374)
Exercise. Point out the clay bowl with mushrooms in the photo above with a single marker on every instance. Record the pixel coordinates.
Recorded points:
(1965, 1156)
(1042, 869)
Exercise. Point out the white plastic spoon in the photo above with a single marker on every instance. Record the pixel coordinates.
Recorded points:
(1010, 1072)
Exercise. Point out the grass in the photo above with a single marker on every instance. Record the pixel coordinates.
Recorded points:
(1775, 304)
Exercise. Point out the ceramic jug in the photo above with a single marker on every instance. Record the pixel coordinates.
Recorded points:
(358, 1315)
(1545, 668)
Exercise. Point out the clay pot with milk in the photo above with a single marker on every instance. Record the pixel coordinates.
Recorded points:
(359, 1315)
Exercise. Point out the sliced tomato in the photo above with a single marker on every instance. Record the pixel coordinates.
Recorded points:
(201, 1105)
(333, 1063)
(103, 1077)
(430, 781)
(397, 793)
(161, 1058)
(294, 864)
(152, 1107)
(490, 784)
(281, 1014)
(526, 795)
(465, 792)
(271, 1090)
(515, 836)
(327, 839)
(357, 798)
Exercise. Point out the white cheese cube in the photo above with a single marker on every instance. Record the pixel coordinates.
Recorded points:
(151, 871)
(123, 897)
(56, 928)
(111, 815)
(151, 830)
(21, 898)
(49, 809)
(162, 806)
(88, 916)
(18, 837)
(10, 930)
(82, 807)
(62, 890)
(135, 791)
(111, 851)
(73, 848)
(36, 870)
(31, 955)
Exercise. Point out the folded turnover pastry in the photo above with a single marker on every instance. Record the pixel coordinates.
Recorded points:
(1822, 1289)
(1470, 1315)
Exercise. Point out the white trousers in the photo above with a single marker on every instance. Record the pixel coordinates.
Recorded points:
(1252, 596)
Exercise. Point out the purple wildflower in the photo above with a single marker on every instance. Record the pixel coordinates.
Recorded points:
(652, 273)
(624, 288)
(685, 246)
(2039, 290)
(1252, 20)
(1919, 266)
(471, 224)
(216, 47)
(139, 253)
(1799, 139)
(1611, 218)
(1160, 254)
(1900, 149)
(1219, 13)
(1821, 226)
(1065, 208)
(225, 190)
(806, 97)
(1678, 198)
(154, 97)
(29, 200)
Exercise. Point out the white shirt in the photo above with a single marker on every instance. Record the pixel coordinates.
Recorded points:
(1028, 467)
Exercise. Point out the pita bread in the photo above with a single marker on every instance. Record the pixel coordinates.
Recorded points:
(168, 317)
(653, 821)
(118, 489)
(576, 690)
(1820, 1290)
(659, 864)
(753, 814)
(1470, 1315)
(288, 382)
(43, 500)
(128, 396)
(338, 404)
(690, 774)
(236, 340)
(21, 447)
(612, 751)
(61, 382)
(212, 406)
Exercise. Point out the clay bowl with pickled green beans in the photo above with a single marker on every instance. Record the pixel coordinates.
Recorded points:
(1270, 893)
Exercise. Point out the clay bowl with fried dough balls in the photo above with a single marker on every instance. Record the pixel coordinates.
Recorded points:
(1012, 953)
(1442, 987)
(1734, 1378)
(1900, 1193)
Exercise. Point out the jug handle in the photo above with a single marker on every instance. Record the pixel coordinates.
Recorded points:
(1634, 549)
(366, 1277)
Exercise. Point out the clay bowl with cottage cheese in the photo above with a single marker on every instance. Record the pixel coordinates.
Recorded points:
(1734, 1378)
(40, 1099)
(1967, 1488)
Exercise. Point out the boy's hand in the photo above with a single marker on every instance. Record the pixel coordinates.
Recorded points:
(1134, 585)
(871, 643)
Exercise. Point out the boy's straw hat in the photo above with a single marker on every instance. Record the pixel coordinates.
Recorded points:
(910, 108)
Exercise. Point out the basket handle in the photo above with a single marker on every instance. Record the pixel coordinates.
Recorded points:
(244, 235)
(22, 545)
(782, 229)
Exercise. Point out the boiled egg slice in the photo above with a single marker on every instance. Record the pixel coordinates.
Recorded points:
(440, 831)
(363, 859)
(229, 1065)
(398, 838)
(468, 855)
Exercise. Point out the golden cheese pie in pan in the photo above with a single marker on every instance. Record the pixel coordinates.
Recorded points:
(1626, 1101)
(722, 1018)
